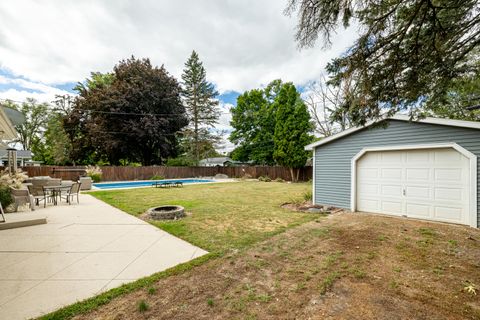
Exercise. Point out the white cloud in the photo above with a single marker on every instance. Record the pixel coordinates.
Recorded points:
(243, 44)
(20, 90)
(223, 126)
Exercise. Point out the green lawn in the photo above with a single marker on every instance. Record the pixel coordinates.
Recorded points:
(222, 216)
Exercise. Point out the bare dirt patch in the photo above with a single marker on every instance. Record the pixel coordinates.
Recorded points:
(344, 266)
(306, 205)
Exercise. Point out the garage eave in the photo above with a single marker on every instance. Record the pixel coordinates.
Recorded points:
(429, 120)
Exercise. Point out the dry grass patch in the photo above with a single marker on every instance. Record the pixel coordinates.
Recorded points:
(347, 266)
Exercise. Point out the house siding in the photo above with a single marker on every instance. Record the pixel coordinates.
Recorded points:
(333, 159)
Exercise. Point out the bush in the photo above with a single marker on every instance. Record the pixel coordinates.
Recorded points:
(8, 180)
(12, 180)
(307, 196)
(6, 198)
(157, 177)
(94, 172)
(264, 178)
(279, 180)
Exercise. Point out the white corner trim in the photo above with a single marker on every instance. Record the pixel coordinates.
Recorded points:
(313, 177)
(429, 120)
(473, 172)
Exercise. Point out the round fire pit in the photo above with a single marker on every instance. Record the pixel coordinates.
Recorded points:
(166, 212)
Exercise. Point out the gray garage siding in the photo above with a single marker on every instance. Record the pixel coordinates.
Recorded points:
(333, 159)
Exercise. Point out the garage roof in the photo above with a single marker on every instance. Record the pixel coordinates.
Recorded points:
(430, 120)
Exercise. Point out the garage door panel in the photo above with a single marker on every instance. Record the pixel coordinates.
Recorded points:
(392, 156)
(391, 190)
(367, 173)
(418, 192)
(369, 205)
(431, 184)
(392, 207)
(418, 210)
(444, 174)
(418, 174)
(420, 156)
(454, 194)
(391, 173)
(447, 155)
(369, 161)
(453, 214)
(368, 189)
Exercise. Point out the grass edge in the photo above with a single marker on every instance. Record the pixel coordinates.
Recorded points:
(92, 303)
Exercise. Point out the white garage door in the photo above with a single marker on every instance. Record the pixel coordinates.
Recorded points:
(428, 184)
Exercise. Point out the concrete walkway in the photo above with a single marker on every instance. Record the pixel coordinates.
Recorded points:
(83, 250)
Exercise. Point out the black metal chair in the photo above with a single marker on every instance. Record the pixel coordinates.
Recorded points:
(1, 213)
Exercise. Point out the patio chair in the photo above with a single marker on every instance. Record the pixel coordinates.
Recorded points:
(40, 194)
(72, 192)
(22, 197)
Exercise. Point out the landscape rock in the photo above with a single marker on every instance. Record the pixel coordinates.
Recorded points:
(315, 210)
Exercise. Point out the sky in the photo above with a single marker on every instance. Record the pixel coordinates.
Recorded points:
(46, 47)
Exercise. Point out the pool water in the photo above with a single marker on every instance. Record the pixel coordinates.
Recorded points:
(138, 184)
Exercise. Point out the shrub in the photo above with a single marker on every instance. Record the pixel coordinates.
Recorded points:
(279, 180)
(14, 180)
(307, 196)
(8, 180)
(6, 198)
(157, 177)
(94, 172)
(264, 178)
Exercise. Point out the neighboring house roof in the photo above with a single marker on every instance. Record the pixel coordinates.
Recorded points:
(8, 119)
(25, 154)
(429, 120)
(218, 160)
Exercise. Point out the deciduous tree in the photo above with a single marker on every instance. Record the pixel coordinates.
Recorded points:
(134, 116)
(30, 132)
(253, 120)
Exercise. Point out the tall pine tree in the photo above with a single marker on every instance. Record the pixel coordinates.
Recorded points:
(200, 101)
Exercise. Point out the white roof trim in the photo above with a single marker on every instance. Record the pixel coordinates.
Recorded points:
(430, 120)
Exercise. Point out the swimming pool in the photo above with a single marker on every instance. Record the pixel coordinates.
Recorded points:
(147, 183)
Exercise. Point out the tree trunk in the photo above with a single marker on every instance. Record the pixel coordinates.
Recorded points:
(292, 174)
(298, 174)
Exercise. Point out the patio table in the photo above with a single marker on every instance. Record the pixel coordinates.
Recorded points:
(57, 191)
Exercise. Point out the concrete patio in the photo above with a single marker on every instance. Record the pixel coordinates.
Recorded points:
(83, 250)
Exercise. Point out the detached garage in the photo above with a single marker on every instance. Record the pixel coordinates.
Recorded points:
(423, 169)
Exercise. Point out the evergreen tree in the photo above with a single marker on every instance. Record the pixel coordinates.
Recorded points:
(292, 130)
(406, 53)
(200, 101)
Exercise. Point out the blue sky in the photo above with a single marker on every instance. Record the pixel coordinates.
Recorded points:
(52, 45)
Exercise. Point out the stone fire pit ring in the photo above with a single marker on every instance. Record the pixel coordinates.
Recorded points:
(168, 212)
